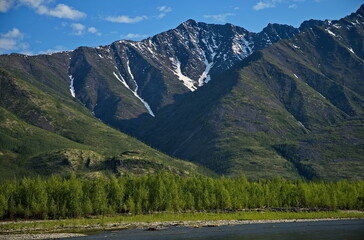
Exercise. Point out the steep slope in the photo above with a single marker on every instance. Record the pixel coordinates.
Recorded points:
(292, 109)
(128, 80)
(44, 135)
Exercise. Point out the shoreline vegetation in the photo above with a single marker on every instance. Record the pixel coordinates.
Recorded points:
(45, 229)
(77, 205)
(163, 220)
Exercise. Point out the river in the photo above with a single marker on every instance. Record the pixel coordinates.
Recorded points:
(315, 230)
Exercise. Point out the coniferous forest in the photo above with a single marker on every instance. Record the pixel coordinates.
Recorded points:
(57, 197)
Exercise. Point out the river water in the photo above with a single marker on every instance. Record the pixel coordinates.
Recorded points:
(317, 230)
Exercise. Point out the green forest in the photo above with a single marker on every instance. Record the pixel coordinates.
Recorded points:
(57, 197)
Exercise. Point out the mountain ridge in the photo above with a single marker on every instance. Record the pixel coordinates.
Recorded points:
(193, 72)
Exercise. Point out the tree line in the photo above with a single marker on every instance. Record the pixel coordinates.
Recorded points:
(57, 197)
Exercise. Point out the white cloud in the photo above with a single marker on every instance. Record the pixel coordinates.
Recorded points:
(42, 7)
(164, 9)
(161, 15)
(6, 5)
(125, 19)
(78, 28)
(32, 3)
(94, 30)
(7, 44)
(61, 11)
(262, 5)
(134, 36)
(219, 17)
(236, 8)
(12, 40)
(14, 33)
(293, 6)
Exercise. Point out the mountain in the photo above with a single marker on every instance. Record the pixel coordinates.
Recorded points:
(127, 80)
(285, 101)
(293, 109)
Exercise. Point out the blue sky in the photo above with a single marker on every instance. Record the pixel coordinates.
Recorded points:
(44, 26)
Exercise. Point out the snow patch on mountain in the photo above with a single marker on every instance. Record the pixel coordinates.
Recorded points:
(301, 124)
(72, 89)
(322, 95)
(205, 77)
(194, 52)
(188, 82)
(128, 68)
(135, 91)
(336, 26)
(146, 105)
(122, 80)
(241, 47)
(329, 32)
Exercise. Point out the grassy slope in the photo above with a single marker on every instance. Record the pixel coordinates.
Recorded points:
(332, 150)
(337, 153)
(20, 141)
(24, 144)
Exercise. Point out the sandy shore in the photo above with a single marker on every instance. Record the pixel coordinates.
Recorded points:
(152, 226)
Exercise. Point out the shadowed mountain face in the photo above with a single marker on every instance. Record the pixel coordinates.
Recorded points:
(283, 101)
(293, 108)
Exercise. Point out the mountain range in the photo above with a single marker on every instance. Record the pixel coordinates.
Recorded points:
(282, 102)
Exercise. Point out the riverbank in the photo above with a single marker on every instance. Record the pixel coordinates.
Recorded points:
(52, 229)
